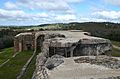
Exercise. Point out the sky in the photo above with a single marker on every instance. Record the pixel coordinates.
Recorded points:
(35, 12)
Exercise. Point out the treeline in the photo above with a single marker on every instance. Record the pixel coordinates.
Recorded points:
(7, 37)
(101, 29)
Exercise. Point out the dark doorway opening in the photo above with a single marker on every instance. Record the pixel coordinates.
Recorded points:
(40, 40)
(68, 54)
(29, 46)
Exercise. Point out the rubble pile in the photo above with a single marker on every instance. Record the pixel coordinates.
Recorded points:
(54, 61)
(106, 61)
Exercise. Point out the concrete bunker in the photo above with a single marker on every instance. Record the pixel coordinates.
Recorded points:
(65, 43)
(81, 48)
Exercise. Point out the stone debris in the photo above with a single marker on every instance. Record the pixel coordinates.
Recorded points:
(40, 71)
(106, 61)
(54, 61)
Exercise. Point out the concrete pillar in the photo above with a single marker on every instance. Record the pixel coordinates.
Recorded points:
(65, 52)
(71, 53)
(20, 46)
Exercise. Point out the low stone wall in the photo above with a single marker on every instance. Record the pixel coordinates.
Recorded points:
(41, 71)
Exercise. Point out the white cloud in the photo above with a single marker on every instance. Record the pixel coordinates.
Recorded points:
(14, 15)
(73, 1)
(107, 14)
(113, 2)
(67, 17)
(19, 15)
(53, 10)
(86, 19)
(11, 14)
(10, 5)
(44, 4)
(49, 5)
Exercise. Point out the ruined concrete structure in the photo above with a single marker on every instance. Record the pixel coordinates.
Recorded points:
(28, 41)
(24, 41)
(62, 43)
(65, 43)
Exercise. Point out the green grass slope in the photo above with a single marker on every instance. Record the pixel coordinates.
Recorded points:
(6, 54)
(12, 69)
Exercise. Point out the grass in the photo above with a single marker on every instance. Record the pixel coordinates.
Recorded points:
(115, 52)
(6, 54)
(12, 69)
(30, 70)
(117, 43)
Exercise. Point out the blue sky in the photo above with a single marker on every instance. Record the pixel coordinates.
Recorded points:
(35, 12)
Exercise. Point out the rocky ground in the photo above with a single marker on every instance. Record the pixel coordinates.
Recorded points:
(54, 61)
(81, 68)
(105, 61)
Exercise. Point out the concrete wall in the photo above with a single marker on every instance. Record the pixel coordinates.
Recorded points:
(24, 42)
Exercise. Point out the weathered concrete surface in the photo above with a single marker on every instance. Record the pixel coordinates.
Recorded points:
(77, 43)
(105, 61)
(54, 61)
(71, 70)
(70, 44)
